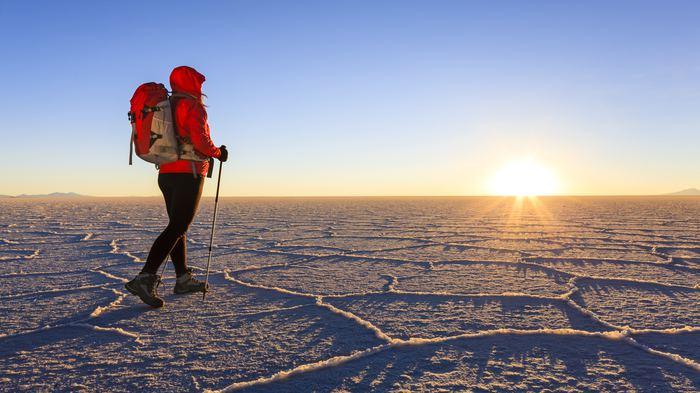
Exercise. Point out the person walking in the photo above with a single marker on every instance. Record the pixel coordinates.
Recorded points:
(181, 183)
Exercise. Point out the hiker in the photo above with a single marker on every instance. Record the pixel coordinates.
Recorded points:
(181, 183)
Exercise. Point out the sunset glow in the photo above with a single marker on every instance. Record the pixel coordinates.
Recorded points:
(523, 178)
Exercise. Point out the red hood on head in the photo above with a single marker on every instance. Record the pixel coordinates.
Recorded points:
(186, 80)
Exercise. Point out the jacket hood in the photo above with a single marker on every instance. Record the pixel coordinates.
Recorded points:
(186, 79)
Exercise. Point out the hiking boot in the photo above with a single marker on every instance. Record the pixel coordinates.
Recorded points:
(186, 284)
(144, 286)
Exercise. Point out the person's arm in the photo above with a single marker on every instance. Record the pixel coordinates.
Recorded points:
(198, 130)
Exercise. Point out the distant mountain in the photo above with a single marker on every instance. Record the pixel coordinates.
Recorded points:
(52, 195)
(689, 191)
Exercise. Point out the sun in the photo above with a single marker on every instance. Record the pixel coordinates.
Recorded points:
(523, 178)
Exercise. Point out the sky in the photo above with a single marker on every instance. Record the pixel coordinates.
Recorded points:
(355, 98)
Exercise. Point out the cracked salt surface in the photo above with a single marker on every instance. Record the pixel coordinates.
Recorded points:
(499, 363)
(490, 278)
(475, 294)
(640, 305)
(405, 315)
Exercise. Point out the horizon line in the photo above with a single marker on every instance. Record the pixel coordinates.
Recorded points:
(76, 196)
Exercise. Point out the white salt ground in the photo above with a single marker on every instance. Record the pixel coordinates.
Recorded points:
(472, 294)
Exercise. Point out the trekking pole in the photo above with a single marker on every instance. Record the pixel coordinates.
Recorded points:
(162, 271)
(213, 224)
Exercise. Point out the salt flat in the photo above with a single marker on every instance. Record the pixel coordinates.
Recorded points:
(556, 294)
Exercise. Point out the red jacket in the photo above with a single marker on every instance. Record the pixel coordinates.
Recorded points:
(190, 120)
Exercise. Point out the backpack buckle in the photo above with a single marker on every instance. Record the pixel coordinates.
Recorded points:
(147, 109)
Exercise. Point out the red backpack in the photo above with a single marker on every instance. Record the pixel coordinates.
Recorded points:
(153, 132)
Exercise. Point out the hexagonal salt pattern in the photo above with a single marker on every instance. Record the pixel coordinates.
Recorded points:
(338, 294)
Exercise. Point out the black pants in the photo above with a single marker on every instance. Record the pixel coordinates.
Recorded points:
(182, 192)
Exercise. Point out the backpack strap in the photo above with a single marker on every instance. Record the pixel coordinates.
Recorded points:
(194, 170)
(131, 149)
(179, 94)
(132, 120)
(211, 167)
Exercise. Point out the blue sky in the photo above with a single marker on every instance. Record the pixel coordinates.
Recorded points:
(361, 98)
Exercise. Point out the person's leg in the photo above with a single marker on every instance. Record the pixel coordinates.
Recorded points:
(182, 193)
(185, 207)
(178, 255)
(146, 283)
